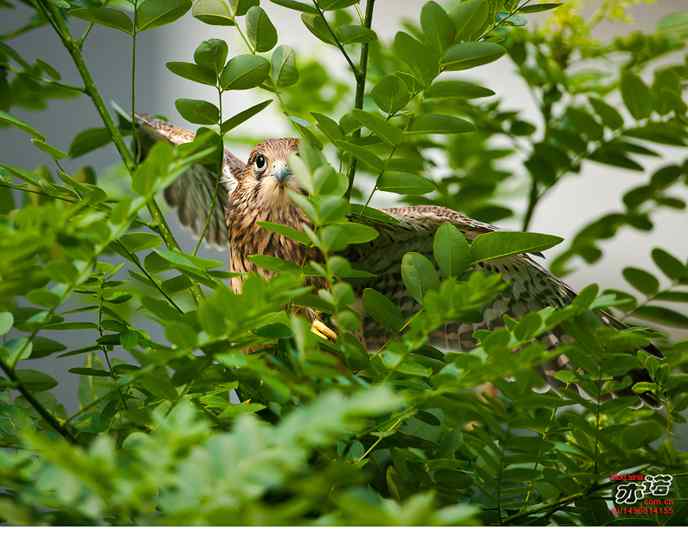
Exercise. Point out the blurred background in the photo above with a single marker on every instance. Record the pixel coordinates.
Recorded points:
(571, 204)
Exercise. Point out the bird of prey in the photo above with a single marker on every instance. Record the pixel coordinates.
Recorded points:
(256, 191)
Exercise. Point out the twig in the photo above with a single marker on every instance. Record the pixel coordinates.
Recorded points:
(145, 272)
(54, 16)
(360, 90)
(40, 409)
(339, 44)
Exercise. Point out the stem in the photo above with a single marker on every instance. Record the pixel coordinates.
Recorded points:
(113, 374)
(339, 44)
(40, 409)
(360, 90)
(54, 16)
(58, 23)
(131, 256)
(135, 132)
(533, 199)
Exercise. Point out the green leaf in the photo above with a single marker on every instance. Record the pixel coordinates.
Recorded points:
(471, 54)
(405, 183)
(663, 316)
(42, 347)
(437, 26)
(260, 30)
(88, 141)
(419, 275)
(451, 250)
(316, 25)
(105, 16)
(665, 134)
(329, 127)
(356, 232)
(355, 33)
(272, 263)
(470, 18)
(35, 381)
(421, 59)
(457, 89)
(15, 350)
(432, 123)
(283, 62)
(211, 55)
(285, 230)
(89, 372)
(671, 266)
(6, 322)
(672, 296)
(54, 152)
(382, 310)
(244, 72)
(244, 116)
(538, 8)
(154, 13)
(241, 7)
(361, 153)
(213, 12)
(6, 118)
(610, 117)
(139, 241)
(387, 132)
(636, 95)
(501, 244)
(641, 280)
(391, 94)
(197, 111)
(330, 5)
(674, 23)
(193, 72)
(296, 6)
(640, 434)
(181, 334)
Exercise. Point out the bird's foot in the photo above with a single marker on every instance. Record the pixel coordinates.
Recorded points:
(323, 331)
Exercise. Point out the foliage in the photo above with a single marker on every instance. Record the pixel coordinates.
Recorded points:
(330, 432)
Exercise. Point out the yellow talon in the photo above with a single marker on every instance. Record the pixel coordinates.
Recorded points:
(323, 331)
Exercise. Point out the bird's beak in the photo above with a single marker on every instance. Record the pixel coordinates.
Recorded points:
(281, 171)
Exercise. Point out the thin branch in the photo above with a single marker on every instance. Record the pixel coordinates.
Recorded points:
(40, 409)
(54, 16)
(134, 40)
(145, 272)
(339, 44)
(360, 90)
(58, 23)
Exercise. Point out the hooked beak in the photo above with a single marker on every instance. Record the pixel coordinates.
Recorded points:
(281, 171)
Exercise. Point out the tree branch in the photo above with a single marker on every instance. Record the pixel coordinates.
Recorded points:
(360, 89)
(339, 44)
(40, 409)
(58, 23)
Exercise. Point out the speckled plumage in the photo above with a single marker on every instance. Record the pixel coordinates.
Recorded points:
(253, 195)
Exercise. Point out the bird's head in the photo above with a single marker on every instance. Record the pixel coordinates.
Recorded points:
(266, 177)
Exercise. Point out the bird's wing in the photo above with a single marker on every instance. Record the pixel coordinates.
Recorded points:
(412, 228)
(192, 193)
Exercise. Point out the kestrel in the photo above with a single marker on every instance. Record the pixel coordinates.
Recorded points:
(258, 191)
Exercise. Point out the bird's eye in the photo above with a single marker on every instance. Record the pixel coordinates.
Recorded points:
(261, 163)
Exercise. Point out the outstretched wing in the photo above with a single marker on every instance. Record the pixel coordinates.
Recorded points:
(412, 229)
(193, 192)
